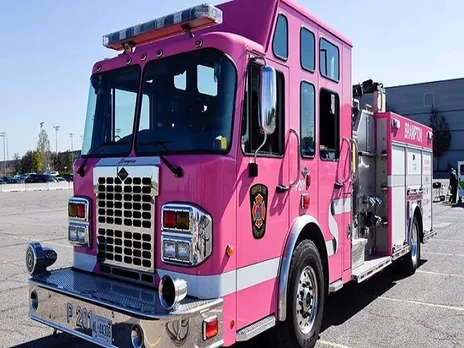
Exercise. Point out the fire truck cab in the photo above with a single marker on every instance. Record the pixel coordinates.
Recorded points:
(231, 178)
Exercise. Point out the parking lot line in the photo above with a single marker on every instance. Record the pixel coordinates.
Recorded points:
(442, 274)
(443, 254)
(448, 240)
(12, 236)
(332, 344)
(460, 309)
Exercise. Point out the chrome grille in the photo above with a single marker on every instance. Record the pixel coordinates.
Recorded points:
(125, 216)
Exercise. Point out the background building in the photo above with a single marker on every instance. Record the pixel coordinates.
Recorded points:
(415, 101)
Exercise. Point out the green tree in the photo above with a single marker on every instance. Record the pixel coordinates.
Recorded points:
(441, 134)
(37, 165)
(26, 162)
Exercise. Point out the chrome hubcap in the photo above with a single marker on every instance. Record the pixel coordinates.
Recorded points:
(414, 243)
(306, 300)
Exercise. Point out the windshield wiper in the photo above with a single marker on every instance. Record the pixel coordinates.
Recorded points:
(81, 171)
(177, 171)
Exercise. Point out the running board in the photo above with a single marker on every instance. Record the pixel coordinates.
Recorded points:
(335, 286)
(370, 267)
(429, 235)
(400, 252)
(255, 329)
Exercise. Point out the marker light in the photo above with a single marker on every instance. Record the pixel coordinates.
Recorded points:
(210, 328)
(198, 17)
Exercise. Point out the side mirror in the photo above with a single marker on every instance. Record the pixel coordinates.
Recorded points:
(267, 109)
(268, 99)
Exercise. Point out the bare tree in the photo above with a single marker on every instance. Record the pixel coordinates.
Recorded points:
(43, 147)
(441, 134)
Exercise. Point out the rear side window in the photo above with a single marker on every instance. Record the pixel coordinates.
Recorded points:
(307, 50)
(329, 60)
(280, 41)
(308, 118)
(461, 170)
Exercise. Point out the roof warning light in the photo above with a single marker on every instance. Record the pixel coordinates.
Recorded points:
(198, 17)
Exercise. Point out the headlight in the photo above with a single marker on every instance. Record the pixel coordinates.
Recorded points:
(186, 234)
(79, 221)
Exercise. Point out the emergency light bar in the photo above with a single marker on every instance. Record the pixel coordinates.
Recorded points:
(198, 17)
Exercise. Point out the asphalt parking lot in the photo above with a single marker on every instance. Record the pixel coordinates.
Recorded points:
(425, 310)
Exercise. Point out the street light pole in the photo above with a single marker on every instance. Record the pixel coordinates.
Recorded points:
(72, 153)
(56, 138)
(3, 135)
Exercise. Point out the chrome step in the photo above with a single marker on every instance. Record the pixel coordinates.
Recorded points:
(255, 329)
(370, 267)
(335, 286)
(429, 235)
(400, 252)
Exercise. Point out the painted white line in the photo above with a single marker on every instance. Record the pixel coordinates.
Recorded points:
(442, 274)
(332, 344)
(44, 242)
(441, 225)
(448, 240)
(442, 254)
(460, 309)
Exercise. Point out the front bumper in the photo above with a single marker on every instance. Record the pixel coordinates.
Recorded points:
(106, 311)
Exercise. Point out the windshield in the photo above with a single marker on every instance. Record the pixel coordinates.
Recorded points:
(188, 104)
(111, 111)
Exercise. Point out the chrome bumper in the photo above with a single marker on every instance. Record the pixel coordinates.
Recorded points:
(76, 302)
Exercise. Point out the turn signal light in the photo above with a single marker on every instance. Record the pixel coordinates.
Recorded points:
(76, 210)
(210, 328)
(176, 219)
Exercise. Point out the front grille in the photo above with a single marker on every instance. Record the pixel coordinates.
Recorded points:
(125, 209)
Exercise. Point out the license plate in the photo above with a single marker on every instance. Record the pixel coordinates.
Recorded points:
(102, 329)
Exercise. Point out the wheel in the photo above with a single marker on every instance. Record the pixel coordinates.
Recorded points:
(305, 300)
(411, 259)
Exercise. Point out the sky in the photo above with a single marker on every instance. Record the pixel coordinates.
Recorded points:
(49, 47)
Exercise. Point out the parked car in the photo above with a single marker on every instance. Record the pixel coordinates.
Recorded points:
(39, 178)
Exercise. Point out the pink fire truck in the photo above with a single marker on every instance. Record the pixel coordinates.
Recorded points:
(231, 178)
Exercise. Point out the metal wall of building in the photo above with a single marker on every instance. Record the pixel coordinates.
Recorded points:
(415, 101)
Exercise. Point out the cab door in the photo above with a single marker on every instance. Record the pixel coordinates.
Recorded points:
(262, 221)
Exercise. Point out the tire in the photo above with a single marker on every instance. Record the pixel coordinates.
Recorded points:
(306, 293)
(411, 260)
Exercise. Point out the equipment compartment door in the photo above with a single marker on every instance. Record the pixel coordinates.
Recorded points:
(397, 196)
(427, 190)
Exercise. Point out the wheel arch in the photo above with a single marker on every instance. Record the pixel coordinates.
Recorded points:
(303, 227)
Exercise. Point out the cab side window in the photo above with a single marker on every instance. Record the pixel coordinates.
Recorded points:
(329, 125)
(461, 170)
(252, 137)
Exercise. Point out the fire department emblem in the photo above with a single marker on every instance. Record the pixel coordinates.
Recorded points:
(258, 204)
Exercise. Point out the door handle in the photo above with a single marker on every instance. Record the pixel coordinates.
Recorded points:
(340, 184)
(282, 188)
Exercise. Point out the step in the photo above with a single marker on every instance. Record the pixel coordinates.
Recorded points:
(370, 267)
(255, 329)
(335, 286)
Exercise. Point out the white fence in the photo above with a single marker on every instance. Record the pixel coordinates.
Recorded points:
(49, 186)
